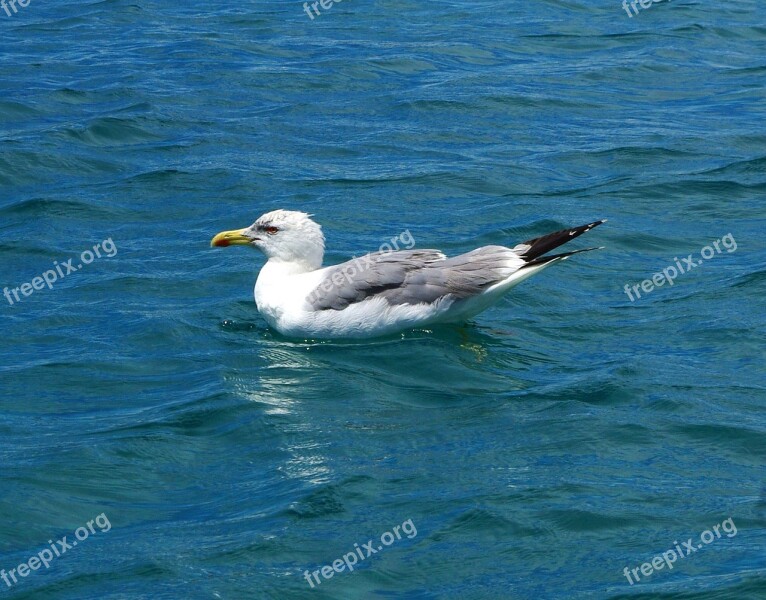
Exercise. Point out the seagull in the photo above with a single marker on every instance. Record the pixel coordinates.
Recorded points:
(383, 292)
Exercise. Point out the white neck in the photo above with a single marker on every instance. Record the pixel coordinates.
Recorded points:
(279, 267)
(276, 284)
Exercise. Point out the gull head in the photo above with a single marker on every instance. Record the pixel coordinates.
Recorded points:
(282, 235)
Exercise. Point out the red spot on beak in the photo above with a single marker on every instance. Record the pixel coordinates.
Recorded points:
(222, 243)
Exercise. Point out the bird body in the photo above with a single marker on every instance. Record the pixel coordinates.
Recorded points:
(383, 292)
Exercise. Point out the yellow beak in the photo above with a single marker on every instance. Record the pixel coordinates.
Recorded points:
(230, 238)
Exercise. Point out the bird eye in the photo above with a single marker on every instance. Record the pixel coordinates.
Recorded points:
(272, 230)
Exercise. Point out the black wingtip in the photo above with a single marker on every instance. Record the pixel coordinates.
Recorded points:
(538, 246)
(541, 260)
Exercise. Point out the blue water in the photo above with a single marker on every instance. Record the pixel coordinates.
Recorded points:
(562, 436)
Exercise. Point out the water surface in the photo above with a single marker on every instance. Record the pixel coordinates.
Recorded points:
(564, 435)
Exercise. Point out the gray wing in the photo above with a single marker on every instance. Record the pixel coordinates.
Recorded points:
(413, 277)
